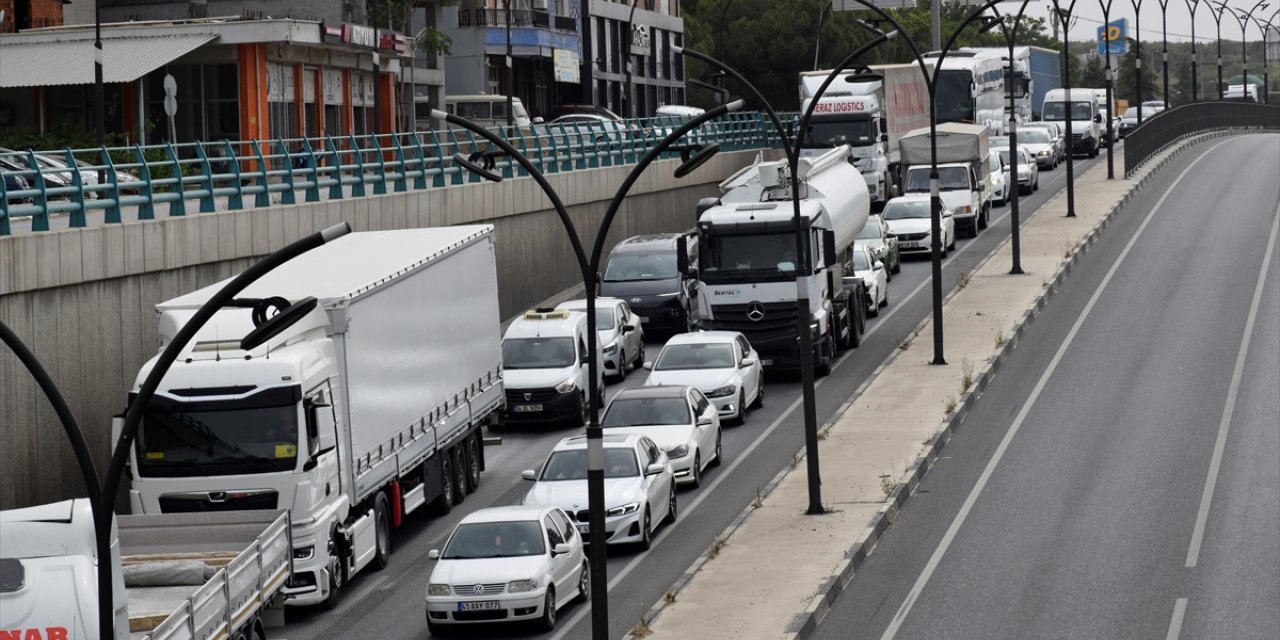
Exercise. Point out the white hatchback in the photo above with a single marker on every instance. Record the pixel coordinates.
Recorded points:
(619, 333)
(873, 274)
(909, 219)
(720, 364)
(504, 564)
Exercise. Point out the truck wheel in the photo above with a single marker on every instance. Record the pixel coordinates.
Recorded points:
(444, 503)
(473, 463)
(823, 370)
(381, 532)
(460, 475)
(337, 572)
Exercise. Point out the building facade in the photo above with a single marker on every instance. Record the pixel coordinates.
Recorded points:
(656, 74)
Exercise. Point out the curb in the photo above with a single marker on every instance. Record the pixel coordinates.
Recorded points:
(806, 623)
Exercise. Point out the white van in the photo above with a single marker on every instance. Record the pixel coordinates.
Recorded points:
(544, 367)
(1086, 118)
(487, 110)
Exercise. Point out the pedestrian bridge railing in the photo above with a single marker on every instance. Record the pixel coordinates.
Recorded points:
(1166, 127)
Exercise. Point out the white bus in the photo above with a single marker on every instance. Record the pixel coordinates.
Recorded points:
(971, 88)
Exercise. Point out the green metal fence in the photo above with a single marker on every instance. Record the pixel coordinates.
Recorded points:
(176, 179)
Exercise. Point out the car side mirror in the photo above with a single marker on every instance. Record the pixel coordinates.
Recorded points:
(538, 120)
(704, 422)
(682, 254)
(879, 265)
(884, 137)
(434, 554)
(1097, 118)
(746, 362)
(559, 550)
(829, 257)
(648, 365)
(654, 469)
(529, 474)
(628, 328)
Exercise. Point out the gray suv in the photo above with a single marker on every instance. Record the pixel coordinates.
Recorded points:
(656, 280)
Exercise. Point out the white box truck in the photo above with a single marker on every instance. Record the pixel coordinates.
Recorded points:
(176, 577)
(867, 109)
(963, 171)
(366, 409)
(748, 264)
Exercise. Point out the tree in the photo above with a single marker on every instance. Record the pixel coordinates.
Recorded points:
(1127, 80)
(1180, 82)
(1093, 73)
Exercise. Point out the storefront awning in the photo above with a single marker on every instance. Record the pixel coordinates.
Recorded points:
(44, 64)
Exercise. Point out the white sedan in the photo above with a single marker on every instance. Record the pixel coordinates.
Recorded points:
(1027, 170)
(505, 564)
(720, 364)
(679, 419)
(873, 274)
(619, 331)
(639, 486)
(909, 219)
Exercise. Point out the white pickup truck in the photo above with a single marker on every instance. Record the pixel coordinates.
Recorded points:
(964, 171)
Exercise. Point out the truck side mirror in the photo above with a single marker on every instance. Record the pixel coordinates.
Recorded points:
(682, 255)
(884, 126)
(320, 425)
(1097, 117)
(829, 247)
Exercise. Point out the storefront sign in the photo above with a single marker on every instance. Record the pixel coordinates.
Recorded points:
(640, 40)
(332, 86)
(365, 37)
(566, 65)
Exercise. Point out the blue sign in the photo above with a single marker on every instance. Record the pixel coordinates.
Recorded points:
(1111, 38)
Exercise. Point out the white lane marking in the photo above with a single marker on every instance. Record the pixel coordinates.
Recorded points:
(1215, 463)
(764, 435)
(1175, 623)
(892, 630)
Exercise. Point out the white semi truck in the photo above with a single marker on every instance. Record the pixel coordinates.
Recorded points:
(180, 576)
(964, 171)
(867, 109)
(748, 264)
(367, 408)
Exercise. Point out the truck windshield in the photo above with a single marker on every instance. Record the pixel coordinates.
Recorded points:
(640, 266)
(955, 96)
(827, 133)
(1080, 111)
(258, 434)
(537, 353)
(949, 179)
(759, 256)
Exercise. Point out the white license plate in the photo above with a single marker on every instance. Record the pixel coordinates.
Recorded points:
(643, 319)
(766, 363)
(526, 408)
(583, 527)
(908, 245)
(487, 605)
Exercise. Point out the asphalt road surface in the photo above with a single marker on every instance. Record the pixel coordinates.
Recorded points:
(390, 604)
(1118, 479)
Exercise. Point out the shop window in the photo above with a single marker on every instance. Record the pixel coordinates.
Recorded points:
(281, 112)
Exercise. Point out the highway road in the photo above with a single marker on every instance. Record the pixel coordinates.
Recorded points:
(1118, 479)
(390, 604)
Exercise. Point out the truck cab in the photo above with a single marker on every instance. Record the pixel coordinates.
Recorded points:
(545, 367)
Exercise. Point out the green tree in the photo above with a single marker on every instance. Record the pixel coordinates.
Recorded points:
(1092, 74)
(1127, 80)
(1180, 81)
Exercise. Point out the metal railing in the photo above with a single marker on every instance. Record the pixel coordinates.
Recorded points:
(484, 17)
(1166, 127)
(230, 176)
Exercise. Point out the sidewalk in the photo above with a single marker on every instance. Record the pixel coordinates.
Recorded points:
(775, 571)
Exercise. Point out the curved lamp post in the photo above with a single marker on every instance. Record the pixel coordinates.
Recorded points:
(1264, 27)
(1164, 47)
(1242, 18)
(1010, 35)
(1137, 57)
(1216, 11)
(1192, 5)
(1111, 91)
(1064, 18)
(589, 266)
(133, 417)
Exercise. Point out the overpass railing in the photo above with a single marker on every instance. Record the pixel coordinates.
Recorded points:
(1164, 128)
(106, 184)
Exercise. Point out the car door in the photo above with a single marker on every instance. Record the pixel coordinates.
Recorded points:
(563, 568)
(706, 413)
(752, 373)
(654, 487)
(632, 338)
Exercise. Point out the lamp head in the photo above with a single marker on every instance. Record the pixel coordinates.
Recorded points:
(696, 159)
(473, 165)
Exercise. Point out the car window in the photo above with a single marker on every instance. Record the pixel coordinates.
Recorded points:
(554, 537)
(620, 463)
(744, 346)
(494, 540)
(695, 356)
(563, 523)
(651, 449)
(700, 402)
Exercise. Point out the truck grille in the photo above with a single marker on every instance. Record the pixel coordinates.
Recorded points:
(530, 395)
(778, 321)
(228, 502)
(478, 589)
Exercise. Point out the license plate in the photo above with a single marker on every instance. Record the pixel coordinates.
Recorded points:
(526, 408)
(486, 605)
(908, 245)
(766, 363)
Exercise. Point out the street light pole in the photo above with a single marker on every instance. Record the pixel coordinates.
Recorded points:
(1164, 47)
(377, 73)
(588, 267)
(1111, 91)
(1217, 21)
(1192, 5)
(1015, 231)
(1137, 58)
(509, 71)
(1064, 18)
(99, 92)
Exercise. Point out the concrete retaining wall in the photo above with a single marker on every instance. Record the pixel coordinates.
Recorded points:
(83, 299)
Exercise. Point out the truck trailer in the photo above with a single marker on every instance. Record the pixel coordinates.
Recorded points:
(748, 265)
(963, 166)
(867, 109)
(178, 576)
(365, 409)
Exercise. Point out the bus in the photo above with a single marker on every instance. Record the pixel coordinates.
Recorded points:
(971, 88)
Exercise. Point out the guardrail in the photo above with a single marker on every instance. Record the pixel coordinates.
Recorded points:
(1164, 128)
(231, 176)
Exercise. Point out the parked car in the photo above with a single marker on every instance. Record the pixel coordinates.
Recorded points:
(14, 180)
(875, 235)
(600, 128)
(720, 364)
(657, 284)
(579, 109)
(639, 486)
(875, 276)
(503, 564)
(52, 178)
(1027, 170)
(544, 368)
(619, 333)
(679, 419)
(1000, 180)
(57, 166)
(909, 219)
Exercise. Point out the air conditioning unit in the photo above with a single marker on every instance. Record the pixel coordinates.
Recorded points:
(540, 5)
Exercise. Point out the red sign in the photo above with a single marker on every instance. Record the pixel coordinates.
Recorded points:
(35, 633)
(839, 107)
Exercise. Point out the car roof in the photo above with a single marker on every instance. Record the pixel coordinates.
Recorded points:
(616, 440)
(558, 325)
(507, 513)
(647, 242)
(910, 197)
(703, 337)
(580, 304)
(660, 391)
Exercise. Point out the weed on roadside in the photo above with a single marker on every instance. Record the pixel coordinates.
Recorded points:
(950, 408)
(999, 339)
(966, 376)
(886, 485)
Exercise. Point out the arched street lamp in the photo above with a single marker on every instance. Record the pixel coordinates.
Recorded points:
(588, 266)
(1137, 57)
(1192, 5)
(1010, 32)
(1063, 16)
(1265, 27)
(1216, 11)
(1242, 18)
(1164, 47)
(1111, 92)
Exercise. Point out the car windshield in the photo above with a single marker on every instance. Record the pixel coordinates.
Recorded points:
(1037, 136)
(955, 95)
(627, 412)
(860, 261)
(905, 210)
(1004, 155)
(949, 179)
(640, 266)
(1057, 111)
(477, 540)
(677, 357)
(258, 434)
(604, 316)
(831, 133)
(537, 353)
(870, 231)
(619, 462)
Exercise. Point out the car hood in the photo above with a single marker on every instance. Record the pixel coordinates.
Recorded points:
(488, 570)
(571, 495)
(627, 289)
(703, 380)
(665, 436)
(909, 225)
(1035, 148)
(535, 378)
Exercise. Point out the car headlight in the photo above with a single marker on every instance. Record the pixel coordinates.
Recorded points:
(567, 386)
(304, 553)
(521, 586)
(726, 390)
(1044, 152)
(611, 349)
(966, 209)
(678, 451)
(438, 590)
(622, 510)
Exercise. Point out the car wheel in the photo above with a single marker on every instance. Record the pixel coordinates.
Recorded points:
(715, 462)
(742, 407)
(873, 309)
(1036, 185)
(884, 302)
(639, 361)
(646, 536)
(672, 509)
(583, 410)
(473, 463)
(759, 401)
(548, 620)
(584, 584)
(897, 265)
(696, 471)
(444, 504)
(952, 246)
(381, 532)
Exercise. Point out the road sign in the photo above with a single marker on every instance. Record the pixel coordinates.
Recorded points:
(170, 95)
(1111, 38)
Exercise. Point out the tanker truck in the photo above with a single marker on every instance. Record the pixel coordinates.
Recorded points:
(748, 269)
